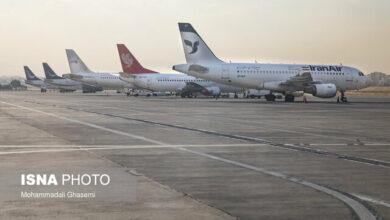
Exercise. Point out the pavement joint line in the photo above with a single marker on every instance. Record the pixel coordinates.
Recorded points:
(347, 144)
(369, 199)
(299, 132)
(269, 127)
(361, 160)
(360, 210)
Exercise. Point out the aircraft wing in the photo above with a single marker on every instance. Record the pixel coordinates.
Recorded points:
(298, 82)
(193, 87)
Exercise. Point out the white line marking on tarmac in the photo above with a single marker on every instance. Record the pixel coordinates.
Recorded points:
(50, 150)
(232, 119)
(376, 201)
(185, 145)
(361, 211)
(132, 146)
(87, 124)
(107, 147)
(272, 127)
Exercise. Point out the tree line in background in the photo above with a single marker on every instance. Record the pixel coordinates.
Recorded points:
(13, 85)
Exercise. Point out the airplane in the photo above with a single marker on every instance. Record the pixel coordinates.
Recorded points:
(67, 85)
(32, 79)
(187, 86)
(319, 80)
(80, 72)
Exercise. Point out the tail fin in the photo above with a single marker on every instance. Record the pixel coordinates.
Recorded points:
(129, 63)
(76, 65)
(50, 74)
(195, 49)
(29, 74)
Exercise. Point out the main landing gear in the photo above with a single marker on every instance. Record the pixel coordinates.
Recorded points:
(289, 98)
(270, 97)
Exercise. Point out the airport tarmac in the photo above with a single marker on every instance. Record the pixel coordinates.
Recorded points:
(205, 158)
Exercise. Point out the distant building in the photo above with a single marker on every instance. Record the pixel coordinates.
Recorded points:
(380, 79)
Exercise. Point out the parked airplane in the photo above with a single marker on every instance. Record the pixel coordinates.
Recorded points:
(134, 72)
(80, 72)
(33, 80)
(319, 80)
(66, 84)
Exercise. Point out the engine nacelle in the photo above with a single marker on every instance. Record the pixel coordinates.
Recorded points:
(213, 90)
(328, 90)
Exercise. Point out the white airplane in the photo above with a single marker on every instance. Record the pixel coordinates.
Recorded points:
(32, 79)
(319, 80)
(66, 84)
(134, 72)
(80, 72)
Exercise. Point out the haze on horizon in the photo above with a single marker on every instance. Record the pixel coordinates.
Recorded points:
(352, 32)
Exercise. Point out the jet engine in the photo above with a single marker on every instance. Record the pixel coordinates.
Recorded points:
(322, 90)
(213, 90)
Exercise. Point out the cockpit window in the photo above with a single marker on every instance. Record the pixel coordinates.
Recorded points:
(361, 74)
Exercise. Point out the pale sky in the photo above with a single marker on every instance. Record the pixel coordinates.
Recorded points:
(352, 32)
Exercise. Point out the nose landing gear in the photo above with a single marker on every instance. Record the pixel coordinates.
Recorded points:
(343, 97)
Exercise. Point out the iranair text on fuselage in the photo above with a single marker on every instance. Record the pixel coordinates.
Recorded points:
(325, 68)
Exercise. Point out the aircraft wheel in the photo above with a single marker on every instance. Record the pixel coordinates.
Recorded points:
(270, 97)
(289, 98)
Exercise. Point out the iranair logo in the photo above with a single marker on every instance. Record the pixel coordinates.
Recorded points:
(194, 45)
(325, 68)
(127, 60)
